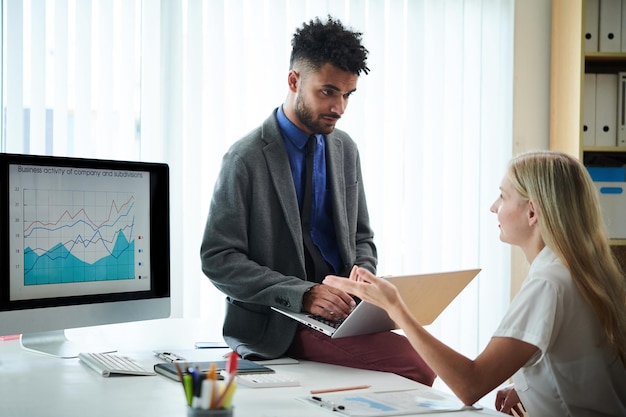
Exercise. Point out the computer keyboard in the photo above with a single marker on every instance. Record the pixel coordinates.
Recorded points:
(266, 380)
(107, 364)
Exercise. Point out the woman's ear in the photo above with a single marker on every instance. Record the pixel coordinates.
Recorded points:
(533, 217)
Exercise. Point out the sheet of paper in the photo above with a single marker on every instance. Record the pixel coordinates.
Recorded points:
(386, 403)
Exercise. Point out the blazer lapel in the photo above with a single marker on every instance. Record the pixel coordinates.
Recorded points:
(280, 177)
(337, 185)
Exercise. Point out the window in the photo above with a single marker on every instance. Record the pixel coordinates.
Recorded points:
(72, 78)
(179, 81)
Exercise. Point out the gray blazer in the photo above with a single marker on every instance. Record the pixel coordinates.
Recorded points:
(252, 247)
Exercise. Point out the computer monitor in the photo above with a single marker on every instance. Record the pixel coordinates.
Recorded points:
(83, 242)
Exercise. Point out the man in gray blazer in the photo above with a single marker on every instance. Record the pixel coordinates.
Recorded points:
(258, 250)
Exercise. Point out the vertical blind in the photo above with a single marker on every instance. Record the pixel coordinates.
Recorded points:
(71, 77)
(180, 80)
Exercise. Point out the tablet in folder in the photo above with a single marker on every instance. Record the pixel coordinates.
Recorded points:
(244, 366)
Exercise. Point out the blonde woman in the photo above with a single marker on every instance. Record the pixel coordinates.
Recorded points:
(563, 339)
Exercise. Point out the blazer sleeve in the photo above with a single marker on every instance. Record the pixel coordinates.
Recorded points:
(247, 249)
(352, 224)
(366, 253)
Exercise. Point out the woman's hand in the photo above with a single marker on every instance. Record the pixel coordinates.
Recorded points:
(365, 285)
(508, 402)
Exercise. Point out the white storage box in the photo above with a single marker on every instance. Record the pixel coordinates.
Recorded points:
(613, 204)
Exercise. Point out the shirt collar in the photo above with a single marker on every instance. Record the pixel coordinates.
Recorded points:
(544, 257)
(290, 131)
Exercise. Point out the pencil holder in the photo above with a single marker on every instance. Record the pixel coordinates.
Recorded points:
(201, 412)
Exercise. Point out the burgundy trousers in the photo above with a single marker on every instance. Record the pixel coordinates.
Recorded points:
(386, 352)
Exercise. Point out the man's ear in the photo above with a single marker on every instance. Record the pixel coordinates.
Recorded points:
(293, 79)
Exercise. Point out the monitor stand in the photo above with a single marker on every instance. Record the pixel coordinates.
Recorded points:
(55, 343)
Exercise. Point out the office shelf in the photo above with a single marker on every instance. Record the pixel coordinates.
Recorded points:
(568, 66)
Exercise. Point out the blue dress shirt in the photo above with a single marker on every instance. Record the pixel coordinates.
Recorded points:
(322, 225)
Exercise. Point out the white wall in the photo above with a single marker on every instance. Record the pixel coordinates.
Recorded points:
(531, 101)
(531, 92)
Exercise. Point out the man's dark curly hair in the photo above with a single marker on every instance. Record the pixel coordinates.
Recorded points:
(318, 43)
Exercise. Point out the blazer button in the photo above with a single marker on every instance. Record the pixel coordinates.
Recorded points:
(283, 301)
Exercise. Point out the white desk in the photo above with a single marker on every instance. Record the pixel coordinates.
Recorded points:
(32, 384)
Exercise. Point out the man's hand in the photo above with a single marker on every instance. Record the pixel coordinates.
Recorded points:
(328, 302)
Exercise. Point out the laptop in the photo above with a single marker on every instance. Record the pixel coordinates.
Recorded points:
(426, 295)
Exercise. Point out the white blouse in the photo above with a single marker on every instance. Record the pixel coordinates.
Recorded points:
(574, 373)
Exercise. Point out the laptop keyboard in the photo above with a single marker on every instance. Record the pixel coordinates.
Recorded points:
(332, 323)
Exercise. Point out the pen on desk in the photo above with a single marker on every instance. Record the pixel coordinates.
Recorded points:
(211, 376)
(325, 390)
(178, 371)
(197, 383)
(188, 385)
(231, 372)
(194, 373)
(180, 378)
(204, 401)
(327, 404)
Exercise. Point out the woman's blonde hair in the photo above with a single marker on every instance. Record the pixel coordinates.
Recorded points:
(572, 226)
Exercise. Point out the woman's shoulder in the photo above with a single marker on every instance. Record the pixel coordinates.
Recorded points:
(547, 266)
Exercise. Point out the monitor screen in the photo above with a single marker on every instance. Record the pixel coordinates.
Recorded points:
(84, 242)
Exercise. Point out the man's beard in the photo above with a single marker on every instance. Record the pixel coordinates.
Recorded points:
(307, 119)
